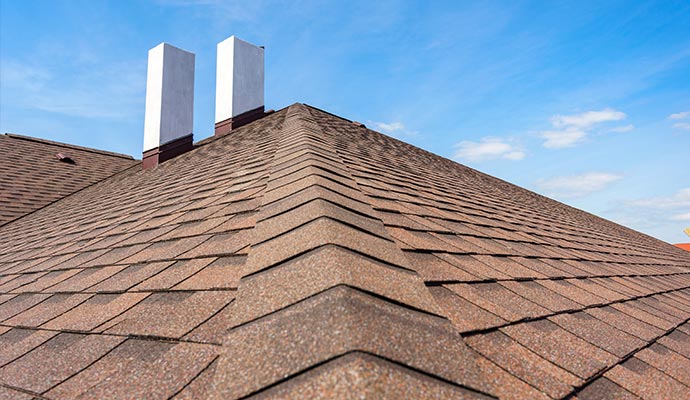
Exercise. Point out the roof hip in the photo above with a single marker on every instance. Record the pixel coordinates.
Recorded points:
(323, 265)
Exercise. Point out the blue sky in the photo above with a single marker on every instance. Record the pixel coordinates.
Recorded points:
(584, 101)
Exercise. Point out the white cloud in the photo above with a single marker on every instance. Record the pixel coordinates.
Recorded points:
(685, 126)
(570, 130)
(680, 199)
(395, 129)
(680, 115)
(681, 217)
(587, 119)
(577, 185)
(487, 149)
(562, 139)
(623, 129)
(389, 127)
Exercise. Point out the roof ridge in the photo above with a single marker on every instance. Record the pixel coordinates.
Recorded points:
(325, 257)
(69, 146)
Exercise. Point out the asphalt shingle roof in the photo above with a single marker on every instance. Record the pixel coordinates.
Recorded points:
(305, 256)
(32, 176)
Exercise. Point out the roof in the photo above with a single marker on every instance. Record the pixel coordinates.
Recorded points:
(33, 176)
(303, 255)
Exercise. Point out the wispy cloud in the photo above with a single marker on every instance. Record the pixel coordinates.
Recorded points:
(684, 126)
(229, 10)
(587, 119)
(577, 185)
(623, 129)
(563, 138)
(487, 149)
(570, 130)
(395, 128)
(112, 92)
(680, 199)
(680, 115)
(681, 217)
(654, 213)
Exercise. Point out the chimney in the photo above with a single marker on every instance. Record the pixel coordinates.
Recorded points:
(239, 84)
(168, 122)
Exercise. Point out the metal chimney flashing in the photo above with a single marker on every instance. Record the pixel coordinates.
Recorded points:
(229, 124)
(169, 117)
(166, 151)
(239, 84)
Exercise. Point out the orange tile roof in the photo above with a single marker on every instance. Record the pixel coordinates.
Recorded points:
(306, 256)
(33, 176)
(684, 246)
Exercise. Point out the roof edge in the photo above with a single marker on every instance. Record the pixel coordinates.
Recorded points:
(67, 145)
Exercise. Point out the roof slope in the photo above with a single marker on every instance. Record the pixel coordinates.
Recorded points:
(32, 176)
(305, 256)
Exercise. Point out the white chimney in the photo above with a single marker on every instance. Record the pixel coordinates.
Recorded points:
(168, 122)
(239, 84)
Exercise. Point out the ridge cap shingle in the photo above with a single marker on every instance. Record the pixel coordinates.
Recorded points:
(325, 268)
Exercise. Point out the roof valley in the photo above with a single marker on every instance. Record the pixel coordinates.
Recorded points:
(321, 257)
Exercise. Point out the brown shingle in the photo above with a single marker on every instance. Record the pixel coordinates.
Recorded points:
(324, 268)
(19, 304)
(170, 314)
(249, 367)
(677, 341)
(11, 394)
(318, 233)
(646, 381)
(47, 310)
(360, 375)
(472, 265)
(174, 274)
(524, 364)
(566, 289)
(433, 268)
(498, 300)
(668, 361)
(223, 273)
(138, 369)
(634, 309)
(166, 250)
(130, 276)
(86, 278)
(504, 385)
(95, 311)
(598, 333)
(625, 322)
(538, 294)
(33, 177)
(605, 389)
(46, 281)
(56, 360)
(561, 347)
(16, 342)
(465, 315)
